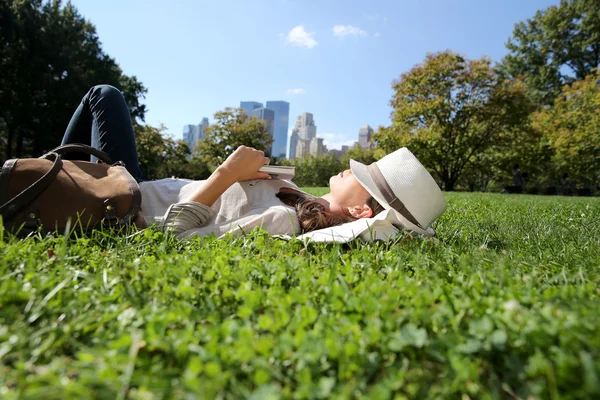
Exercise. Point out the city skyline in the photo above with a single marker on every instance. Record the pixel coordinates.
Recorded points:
(302, 139)
(343, 75)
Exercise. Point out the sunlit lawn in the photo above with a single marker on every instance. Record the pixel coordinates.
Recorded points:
(504, 305)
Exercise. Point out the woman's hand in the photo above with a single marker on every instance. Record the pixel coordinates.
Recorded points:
(243, 164)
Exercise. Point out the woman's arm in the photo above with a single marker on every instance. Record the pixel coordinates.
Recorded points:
(241, 165)
(277, 220)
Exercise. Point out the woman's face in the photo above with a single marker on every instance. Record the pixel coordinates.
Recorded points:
(347, 194)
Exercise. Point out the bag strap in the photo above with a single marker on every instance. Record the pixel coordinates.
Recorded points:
(81, 148)
(14, 205)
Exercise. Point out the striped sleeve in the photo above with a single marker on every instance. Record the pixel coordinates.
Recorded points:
(181, 217)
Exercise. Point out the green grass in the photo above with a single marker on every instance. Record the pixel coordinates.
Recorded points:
(505, 305)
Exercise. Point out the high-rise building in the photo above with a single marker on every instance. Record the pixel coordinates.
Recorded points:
(250, 106)
(280, 122)
(267, 115)
(189, 135)
(294, 139)
(203, 126)
(316, 147)
(301, 148)
(280, 127)
(365, 136)
(306, 126)
(194, 133)
(305, 130)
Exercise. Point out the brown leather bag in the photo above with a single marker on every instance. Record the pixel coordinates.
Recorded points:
(51, 193)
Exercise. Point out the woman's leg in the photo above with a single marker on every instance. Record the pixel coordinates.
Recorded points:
(102, 120)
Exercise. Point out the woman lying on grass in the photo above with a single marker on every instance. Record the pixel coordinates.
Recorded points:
(237, 197)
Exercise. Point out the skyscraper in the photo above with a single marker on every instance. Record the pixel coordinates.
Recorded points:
(268, 116)
(250, 106)
(365, 136)
(194, 133)
(202, 127)
(294, 139)
(316, 147)
(189, 135)
(280, 127)
(304, 131)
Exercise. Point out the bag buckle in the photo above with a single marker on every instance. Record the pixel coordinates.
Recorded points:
(110, 210)
(32, 221)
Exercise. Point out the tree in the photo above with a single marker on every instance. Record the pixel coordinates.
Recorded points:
(315, 170)
(50, 56)
(558, 46)
(232, 128)
(448, 110)
(365, 156)
(572, 127)
(161, 156)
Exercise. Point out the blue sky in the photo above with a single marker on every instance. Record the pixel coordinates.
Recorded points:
(333, 58)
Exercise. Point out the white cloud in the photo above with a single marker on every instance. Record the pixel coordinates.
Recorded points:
(299, 37)
(377, 34)
(336, 140)
(347, 30)
(295, 91)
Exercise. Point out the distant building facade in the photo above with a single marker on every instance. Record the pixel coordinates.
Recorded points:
(304, 131)
(339, 153)
(250, 106)
(192, 134)
(316, 147)
(365, 137)
(276, 117)
(294, 138)
(280, 127)
(264, 114)
(189, 132)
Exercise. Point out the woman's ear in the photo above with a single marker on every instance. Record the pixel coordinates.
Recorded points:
(361, 211)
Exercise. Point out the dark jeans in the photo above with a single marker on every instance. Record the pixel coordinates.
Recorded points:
(102, 120)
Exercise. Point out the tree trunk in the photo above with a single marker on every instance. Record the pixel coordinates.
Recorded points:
(19, 149)
(448, 181)
(9, 141)
(37, 150)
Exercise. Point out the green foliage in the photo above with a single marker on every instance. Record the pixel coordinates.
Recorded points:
(504, 305)
(161, 156)
(50, 56)
(232, 128)
(449, 111)
(558, 46)
(315, 170)
(572, 128)
(365, 156)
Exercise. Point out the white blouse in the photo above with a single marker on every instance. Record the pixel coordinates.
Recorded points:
(240, 208)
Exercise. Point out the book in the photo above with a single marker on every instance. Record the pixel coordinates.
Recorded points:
(279, 171)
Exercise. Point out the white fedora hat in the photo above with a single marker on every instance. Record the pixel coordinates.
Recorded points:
(401, 184)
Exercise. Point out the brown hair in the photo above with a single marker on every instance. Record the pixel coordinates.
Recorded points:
(312, 215)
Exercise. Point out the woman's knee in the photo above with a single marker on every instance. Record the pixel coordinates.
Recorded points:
(105, 93)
